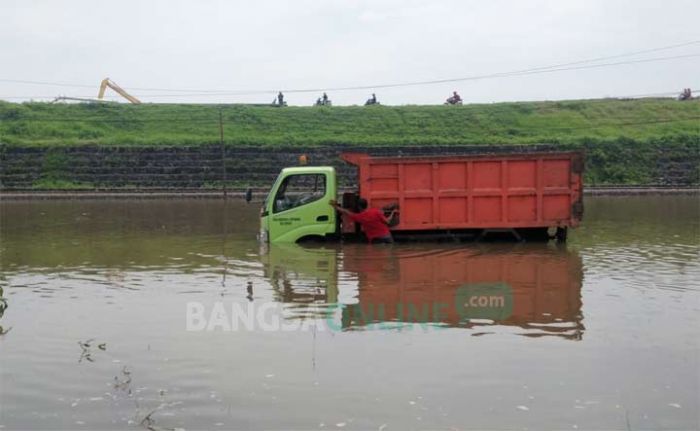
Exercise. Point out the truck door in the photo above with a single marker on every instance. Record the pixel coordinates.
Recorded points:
(300, 207)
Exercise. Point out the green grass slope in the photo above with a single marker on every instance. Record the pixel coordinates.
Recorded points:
(566, 122)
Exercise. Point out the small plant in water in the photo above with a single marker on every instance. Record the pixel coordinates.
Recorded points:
(3, 307)
(86, 346)
(123, 384)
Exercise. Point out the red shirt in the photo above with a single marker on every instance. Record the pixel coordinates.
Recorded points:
(373, 223)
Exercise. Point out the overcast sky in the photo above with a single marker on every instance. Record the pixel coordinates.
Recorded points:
(248, 46)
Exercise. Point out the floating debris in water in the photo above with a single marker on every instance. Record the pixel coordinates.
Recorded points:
(676, 405)
(523, 408)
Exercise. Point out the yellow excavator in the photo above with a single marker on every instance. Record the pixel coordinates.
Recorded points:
(111, 84)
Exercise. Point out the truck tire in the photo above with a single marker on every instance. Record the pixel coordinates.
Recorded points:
(561, 234)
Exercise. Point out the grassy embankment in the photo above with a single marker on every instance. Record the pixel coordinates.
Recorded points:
(623, 138)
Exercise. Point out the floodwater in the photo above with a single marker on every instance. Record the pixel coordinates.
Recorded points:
(169, 314)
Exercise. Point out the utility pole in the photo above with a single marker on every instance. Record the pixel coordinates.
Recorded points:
(225, 211)
(223, 152)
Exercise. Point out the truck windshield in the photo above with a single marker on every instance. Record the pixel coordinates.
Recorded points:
(297, 190)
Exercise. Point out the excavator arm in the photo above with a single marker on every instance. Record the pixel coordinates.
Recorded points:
(107, 83)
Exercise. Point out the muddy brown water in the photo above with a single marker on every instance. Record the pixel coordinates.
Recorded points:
(169, 314)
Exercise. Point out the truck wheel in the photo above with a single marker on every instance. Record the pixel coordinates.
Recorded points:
(561, 234)
(310, 239)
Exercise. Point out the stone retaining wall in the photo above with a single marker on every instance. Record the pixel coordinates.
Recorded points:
(23, 168)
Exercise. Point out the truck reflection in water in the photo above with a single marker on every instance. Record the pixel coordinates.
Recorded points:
(535, 289)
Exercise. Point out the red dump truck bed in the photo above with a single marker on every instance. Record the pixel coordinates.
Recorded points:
(495, 191)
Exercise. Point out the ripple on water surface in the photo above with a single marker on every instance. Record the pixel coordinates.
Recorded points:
(601, 333)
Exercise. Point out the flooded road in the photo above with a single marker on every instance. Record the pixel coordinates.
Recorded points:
(169, 314)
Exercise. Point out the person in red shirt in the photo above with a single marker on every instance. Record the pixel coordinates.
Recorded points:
(374, 224)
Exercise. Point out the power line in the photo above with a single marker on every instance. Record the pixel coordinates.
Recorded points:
(541, 69)
(629, 54)
(495, 75)
(420, 83)
(367, 87)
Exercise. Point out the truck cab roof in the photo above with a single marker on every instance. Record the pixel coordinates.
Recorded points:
(309, 170)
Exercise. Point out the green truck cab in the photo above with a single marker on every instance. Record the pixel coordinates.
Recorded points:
(297, 207)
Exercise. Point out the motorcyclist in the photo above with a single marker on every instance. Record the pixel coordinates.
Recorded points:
(686, 94)
(372, 100)
(454, 99)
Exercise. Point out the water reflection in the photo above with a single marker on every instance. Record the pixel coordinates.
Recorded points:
(3, 307)
(302, 275)
(533, 287)
(182, 246)
(119, 274)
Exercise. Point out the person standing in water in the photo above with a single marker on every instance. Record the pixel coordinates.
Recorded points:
(374, 224)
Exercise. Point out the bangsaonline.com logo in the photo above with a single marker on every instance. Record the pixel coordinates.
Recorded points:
(492, 301)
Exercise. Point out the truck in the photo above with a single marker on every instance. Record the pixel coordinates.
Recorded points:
(524, 196)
